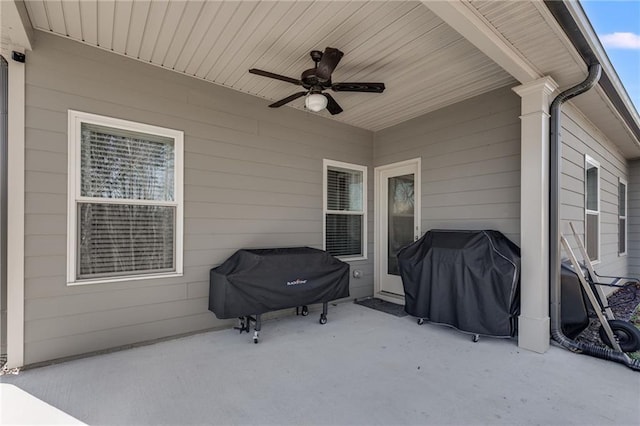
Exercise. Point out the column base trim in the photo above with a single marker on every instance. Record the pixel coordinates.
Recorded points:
(534, 333)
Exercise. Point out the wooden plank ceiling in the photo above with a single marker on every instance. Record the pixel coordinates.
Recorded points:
(424, 64)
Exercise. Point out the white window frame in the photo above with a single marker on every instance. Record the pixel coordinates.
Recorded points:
(356, 167)
(624, 182)
(587, 162)
(75, 120)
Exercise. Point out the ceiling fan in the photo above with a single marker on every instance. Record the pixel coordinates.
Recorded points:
(318, 79)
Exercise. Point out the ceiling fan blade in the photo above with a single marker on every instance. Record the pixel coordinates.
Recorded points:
(287, 99)
(358, 87)
(276, 76)
(328, 63)
(332, 105)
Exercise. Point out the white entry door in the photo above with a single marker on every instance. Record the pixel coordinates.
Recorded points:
(398, 222)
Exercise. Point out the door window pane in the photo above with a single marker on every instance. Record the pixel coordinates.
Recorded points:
(400, 218)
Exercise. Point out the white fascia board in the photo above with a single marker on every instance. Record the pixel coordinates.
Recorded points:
(581, 20)
(16, 25)
(479, 32)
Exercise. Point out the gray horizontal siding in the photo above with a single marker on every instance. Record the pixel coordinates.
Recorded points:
(580, 137)
(470, 155)
(253, 178)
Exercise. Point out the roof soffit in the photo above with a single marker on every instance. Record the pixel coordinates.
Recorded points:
(467, 21)
(16, 30)
(533, 31)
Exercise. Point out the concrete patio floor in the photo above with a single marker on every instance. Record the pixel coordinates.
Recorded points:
(362, 367)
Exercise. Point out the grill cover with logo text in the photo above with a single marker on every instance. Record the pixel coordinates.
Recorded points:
(253, 282)
(467, 279)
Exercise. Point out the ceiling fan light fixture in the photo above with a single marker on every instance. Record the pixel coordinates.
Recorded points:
(317, 81)
(315, 102)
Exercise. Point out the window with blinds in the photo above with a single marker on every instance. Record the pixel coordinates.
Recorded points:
(344, 209)
(125, 199)
(592, 208)
(622, 217)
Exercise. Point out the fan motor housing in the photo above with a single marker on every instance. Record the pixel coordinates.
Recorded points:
(309, 80)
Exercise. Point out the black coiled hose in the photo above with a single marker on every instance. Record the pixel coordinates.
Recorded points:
(595, 351)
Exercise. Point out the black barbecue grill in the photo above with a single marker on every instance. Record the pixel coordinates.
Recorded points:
(466, 279)
(253, 282)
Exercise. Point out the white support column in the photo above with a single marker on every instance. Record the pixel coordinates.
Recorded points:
(16, 34)
(15, 214)
(533, 323)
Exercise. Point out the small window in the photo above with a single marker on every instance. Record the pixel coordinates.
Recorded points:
(622, 216)
(345, 201)
(592, 208)
(125, 200)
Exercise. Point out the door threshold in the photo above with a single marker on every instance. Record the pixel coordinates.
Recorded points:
(390, 297)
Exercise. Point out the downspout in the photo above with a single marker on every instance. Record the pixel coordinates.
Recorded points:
(554, 227)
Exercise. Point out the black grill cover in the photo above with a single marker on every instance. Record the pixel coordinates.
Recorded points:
(467, 279)
(253, 282)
